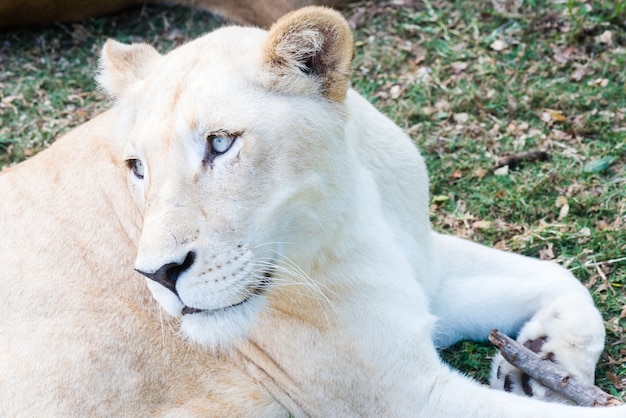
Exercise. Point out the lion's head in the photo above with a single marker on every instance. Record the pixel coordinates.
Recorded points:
(236, 155)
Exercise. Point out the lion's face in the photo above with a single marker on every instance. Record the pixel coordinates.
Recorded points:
(236, 155)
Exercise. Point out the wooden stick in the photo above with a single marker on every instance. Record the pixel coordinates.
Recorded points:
(550, 374)
(516, 159)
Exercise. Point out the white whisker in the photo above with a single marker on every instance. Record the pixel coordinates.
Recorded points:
(288, 276)
(292, 269)
(273, 243)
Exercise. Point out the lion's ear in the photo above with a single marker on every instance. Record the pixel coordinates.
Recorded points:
(312, 42)
(121, 65)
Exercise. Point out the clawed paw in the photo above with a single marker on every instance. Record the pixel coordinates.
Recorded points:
(569, 332)
(505, 376)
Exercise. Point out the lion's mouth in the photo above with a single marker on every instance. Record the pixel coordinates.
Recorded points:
(187, 310)
(258, 290)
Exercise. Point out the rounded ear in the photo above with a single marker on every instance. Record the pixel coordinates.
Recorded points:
(122, 65)
(313, 42)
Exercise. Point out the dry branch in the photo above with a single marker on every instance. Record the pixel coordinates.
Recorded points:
(516, 159)
(550, 374)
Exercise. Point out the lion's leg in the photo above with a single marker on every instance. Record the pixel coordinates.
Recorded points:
(540, 302)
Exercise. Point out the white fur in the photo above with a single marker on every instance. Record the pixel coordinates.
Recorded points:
(330, 197)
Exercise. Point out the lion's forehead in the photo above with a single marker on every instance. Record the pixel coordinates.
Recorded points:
(226, 55)
(232, 104)
(198, 90)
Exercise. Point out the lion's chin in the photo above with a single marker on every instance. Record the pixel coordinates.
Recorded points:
(218, 329)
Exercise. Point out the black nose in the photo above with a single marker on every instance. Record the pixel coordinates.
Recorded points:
(168, 274)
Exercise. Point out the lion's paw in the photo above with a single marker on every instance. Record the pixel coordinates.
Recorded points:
(569, 332)
(507, 377)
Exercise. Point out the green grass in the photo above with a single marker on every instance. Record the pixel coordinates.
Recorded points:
(469, 82)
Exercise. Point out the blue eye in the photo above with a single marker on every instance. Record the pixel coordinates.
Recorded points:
(221, 143)
(136, 166)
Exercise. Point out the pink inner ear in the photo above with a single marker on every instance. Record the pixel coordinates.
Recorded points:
(314, 41)
(121, 65)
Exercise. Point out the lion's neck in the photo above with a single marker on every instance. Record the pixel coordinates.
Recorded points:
(356, 285)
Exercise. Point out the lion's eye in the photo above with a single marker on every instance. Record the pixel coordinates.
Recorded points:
(220, 143)
(136, 166)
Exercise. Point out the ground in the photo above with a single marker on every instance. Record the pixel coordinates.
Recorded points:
(473, 82)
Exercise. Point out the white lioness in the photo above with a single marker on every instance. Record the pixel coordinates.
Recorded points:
(285, 222)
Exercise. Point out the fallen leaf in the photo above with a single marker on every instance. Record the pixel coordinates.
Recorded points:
(423, 75)
(564, 54)
(480, 173)
(547, 253)
(602, 287)
(394, 92)
(511, 127)
(505, 6)
(502, 171)
(606, 38)
(563, 212)
(592, 282)
(500, 194)
(580, 72)
(428, 110)
(598, 82)
(481, 225)
(614, 379)
(601, 164)
(551, 115)
(561, 135)
(511, 104)
(440, 199)
(420, 58)
(458, 67)
(498, 45)
(80, 31)
(501, 245)
(601, 225)
(442, 105)
(561, 201)
(460, 117)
